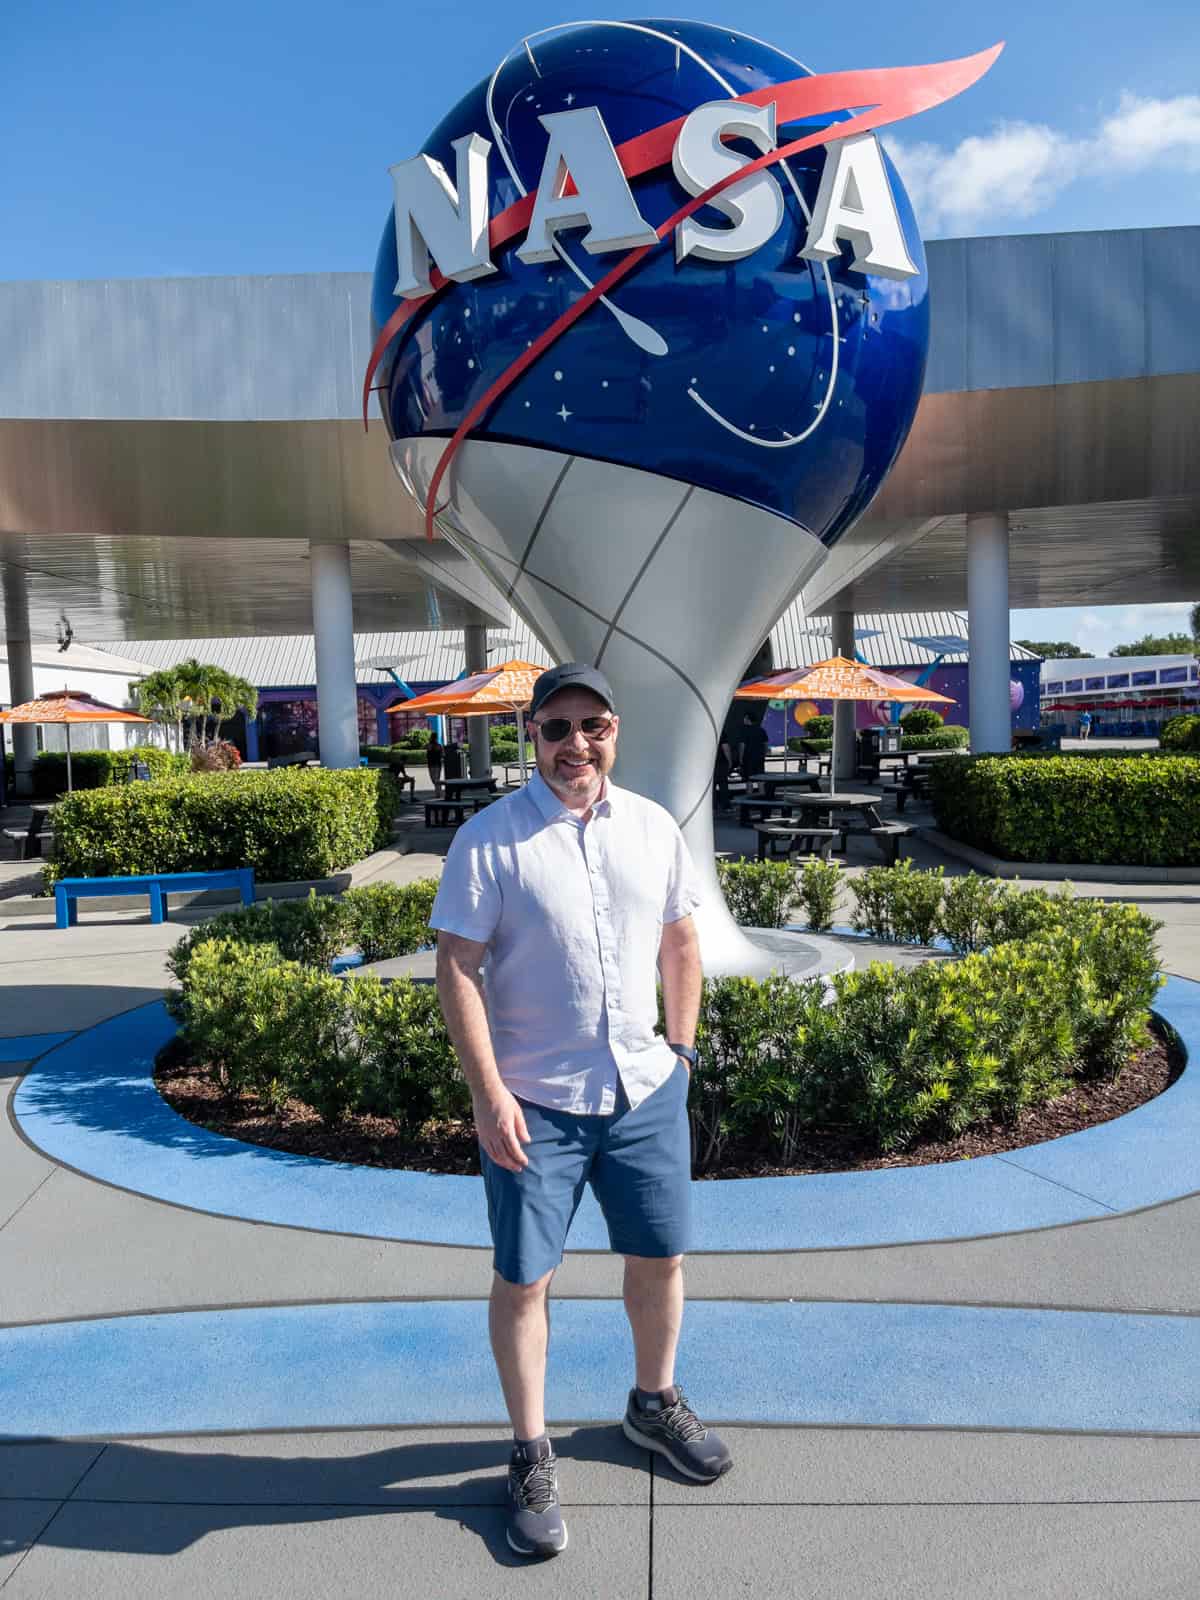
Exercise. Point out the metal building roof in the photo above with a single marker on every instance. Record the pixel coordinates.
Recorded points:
(424, 657)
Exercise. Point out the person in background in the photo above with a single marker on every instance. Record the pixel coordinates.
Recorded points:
(1085, 725)
(433, 761)
(752, 751)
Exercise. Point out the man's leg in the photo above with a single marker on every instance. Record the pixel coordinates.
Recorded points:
(519, 1325)
(654, 1306)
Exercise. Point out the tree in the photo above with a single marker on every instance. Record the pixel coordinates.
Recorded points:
(197, 683)
(1054, 650)
(159, 696)
(1170, 644)
(231, 694)
(1194, 622)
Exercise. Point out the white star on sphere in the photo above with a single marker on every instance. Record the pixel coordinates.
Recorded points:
(569, 99)
(563, 413)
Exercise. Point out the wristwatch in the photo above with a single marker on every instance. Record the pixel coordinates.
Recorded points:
(687, 1051)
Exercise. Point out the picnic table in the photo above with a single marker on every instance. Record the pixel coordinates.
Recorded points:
(830, 807)
(462, 788)
(768, 784)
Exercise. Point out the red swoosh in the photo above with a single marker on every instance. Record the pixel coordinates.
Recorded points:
(891, 92)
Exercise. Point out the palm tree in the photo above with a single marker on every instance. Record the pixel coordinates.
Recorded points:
(232, 694)
(159, 696)
(197, 685)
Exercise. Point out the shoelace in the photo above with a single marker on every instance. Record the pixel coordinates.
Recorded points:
(682, 1421)
(535, 1485)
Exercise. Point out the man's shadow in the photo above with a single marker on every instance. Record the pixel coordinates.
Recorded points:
(213, 1490)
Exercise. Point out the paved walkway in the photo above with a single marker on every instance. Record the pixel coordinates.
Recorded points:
(1012, 1414)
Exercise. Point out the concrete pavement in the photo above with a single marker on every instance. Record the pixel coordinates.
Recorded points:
(893, 1503)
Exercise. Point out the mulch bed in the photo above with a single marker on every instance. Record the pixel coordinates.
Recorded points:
(451, 1147)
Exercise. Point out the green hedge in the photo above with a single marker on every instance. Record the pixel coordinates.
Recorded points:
(1139, 810)
(893, 1054)
(1180, 734)
(951, 738)
(296, 822)
(95, 769)
(929, 1051)
(380, 921)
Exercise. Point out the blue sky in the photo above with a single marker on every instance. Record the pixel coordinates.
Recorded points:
(143, 139)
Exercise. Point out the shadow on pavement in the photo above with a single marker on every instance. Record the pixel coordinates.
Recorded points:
(206, 1492)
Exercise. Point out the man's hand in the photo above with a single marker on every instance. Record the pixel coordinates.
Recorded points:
(500, 1124)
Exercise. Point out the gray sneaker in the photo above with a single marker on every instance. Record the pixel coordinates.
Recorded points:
(670, 1427)
(535, 1524)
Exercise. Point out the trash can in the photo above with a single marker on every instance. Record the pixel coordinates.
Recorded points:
(881, 741)
(452, 761)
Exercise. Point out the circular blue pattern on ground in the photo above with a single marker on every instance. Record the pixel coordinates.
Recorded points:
(91, 1104)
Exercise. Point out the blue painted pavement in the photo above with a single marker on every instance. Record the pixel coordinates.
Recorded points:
(92, 1104)
(24, 1047)
(362, 1365)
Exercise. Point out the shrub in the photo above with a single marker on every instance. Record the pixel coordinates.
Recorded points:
(1141, 810)
(281, 1030)
(899, 903)
(288, 824)
(970, 911)
(414, 739)
(1180, 734)
(95, 769)
(819, 727)
(310, 932)
(410, 1072)
(818, 885)
(759, 894)
(385, 920)
(952, 738)
(927, 1051)
(922, 719)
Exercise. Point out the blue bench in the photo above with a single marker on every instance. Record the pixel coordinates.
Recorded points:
(69, 891)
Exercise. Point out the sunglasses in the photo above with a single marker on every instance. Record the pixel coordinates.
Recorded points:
(556, 729)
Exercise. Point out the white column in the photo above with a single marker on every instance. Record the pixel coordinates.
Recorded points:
(19, 649)
(333, 635)
(845, 749)
(988, 625)
(479, 744)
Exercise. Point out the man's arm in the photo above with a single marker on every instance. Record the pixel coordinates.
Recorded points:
(679, 967)
(499, 1120)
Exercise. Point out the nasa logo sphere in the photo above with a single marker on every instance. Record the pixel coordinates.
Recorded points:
(785, 380)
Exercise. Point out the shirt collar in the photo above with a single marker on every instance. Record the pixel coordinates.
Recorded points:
(551, 807)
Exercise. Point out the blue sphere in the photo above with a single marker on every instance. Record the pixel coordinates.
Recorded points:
(784, 383)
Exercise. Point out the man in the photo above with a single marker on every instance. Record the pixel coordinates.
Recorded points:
(1085, 725)
(567, 892)
(752, 755)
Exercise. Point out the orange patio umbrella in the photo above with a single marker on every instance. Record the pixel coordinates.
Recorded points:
(836, 679)
(508, 687)
(68, 706)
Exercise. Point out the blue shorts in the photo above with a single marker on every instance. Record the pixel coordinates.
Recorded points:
(638, 1164)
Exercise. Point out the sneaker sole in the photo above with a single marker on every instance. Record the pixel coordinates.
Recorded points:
(522, 1550)
(632, 1434)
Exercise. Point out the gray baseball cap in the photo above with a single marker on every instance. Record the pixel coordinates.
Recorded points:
(571, 675)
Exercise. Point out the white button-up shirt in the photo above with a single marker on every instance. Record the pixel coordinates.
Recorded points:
(572, 914)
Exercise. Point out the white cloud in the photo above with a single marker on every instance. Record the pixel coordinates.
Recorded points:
(1096, 630)
(1019, 168)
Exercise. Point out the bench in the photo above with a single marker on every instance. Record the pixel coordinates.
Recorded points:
(299, 758)
(900, 792)
(69, 891)
(802, 839)
(889, 838)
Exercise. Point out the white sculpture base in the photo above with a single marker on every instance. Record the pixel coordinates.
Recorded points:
(668, 588)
